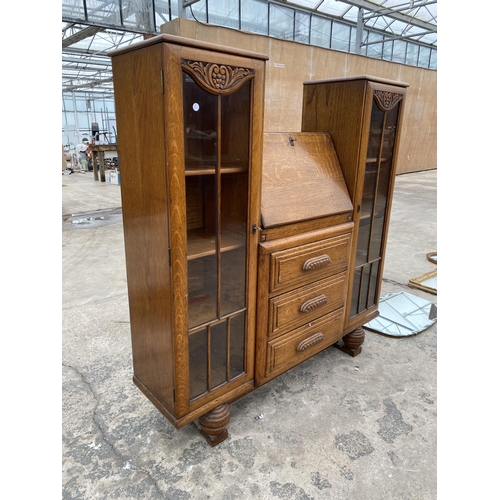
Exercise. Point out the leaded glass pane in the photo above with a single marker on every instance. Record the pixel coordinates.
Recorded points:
(218, 354)
(237, 333)
(372, 296)
(198, 363)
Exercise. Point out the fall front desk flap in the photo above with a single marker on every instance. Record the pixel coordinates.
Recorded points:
(301, 179)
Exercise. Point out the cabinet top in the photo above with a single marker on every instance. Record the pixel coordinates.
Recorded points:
(179, 40)
(359, 77)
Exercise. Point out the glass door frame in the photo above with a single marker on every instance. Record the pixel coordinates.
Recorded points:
(173, 56)
(393, 96)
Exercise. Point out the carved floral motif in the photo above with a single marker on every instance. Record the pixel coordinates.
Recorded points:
(220, 78)
(387, 100)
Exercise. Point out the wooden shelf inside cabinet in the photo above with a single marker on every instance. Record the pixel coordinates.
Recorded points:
(211, 170)
(366, 220)
(376, 160)
(202, 242)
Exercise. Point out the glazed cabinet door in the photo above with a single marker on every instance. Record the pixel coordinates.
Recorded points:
(217, 280)
(374, 205)
(217, 191)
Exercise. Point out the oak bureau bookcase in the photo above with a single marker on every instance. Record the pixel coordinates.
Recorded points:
(238, 243)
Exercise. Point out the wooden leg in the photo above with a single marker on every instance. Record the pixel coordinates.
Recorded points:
(352, 342)
(101, 166)
(94, 165)
(213, 425)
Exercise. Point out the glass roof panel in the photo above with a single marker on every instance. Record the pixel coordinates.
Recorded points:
(310, 4)
(332, 7)
(422, 10)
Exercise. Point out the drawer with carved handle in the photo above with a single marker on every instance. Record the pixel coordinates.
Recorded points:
(292, 309)
(294, 347)
(306, 263)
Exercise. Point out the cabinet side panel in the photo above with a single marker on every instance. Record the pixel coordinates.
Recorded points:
(174, 137)
(262, 315)
(257, 131)
(141, 150)
(337, 108)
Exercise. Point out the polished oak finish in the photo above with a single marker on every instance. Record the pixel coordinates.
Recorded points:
(363, 116)
(299, 344)
(302, 179)
(306, 303)
(189, 119)
(245, 251)
(305, 251)
(352, 342)
(301, 263)
(213, 425)
(301, 307)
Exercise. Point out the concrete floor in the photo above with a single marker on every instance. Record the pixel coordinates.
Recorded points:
(334, 427)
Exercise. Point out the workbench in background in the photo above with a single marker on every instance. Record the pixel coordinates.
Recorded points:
(101, 153)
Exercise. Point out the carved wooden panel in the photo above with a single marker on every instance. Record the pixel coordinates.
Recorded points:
(386, 100)
(217, 78)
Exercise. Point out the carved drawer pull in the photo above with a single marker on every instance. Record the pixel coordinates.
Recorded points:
(311, 304)
(316, 262)
(311, 341)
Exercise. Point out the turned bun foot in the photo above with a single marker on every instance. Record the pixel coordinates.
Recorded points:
(213, 425)
(352, 342)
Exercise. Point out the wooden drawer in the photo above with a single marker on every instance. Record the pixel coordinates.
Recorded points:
(296, 346)
(307, 263)
(305, 304)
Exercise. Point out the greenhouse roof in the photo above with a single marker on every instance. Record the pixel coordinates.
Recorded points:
(92, 28)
